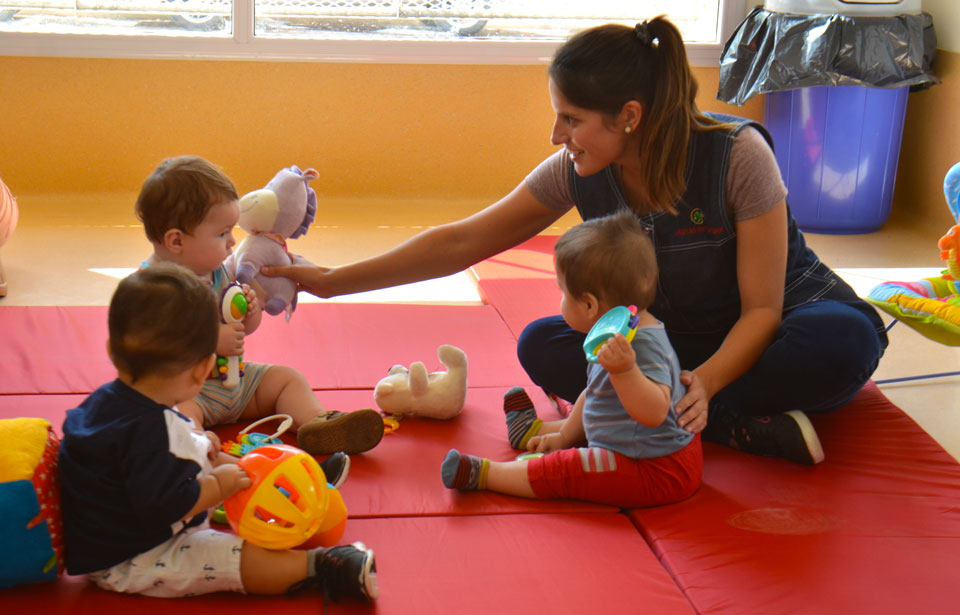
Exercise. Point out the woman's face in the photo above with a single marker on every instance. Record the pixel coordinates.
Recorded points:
(592, 140)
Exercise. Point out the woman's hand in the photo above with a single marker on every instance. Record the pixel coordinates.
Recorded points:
(692, 407)
(309, 277)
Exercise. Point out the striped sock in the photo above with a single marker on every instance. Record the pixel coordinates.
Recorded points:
(460, 471)
(522, 421)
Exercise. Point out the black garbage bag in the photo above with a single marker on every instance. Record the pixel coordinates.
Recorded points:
(773, 52)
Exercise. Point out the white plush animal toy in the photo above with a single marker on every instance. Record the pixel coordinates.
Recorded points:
(437, 395)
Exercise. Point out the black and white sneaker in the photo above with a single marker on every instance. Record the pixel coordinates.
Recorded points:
(336, 467)
(346, 571)
(789, 435)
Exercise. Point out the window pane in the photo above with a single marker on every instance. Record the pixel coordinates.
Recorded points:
(169, 17)
(479, 19)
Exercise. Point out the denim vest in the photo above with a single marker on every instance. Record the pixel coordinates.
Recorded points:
(697, 248)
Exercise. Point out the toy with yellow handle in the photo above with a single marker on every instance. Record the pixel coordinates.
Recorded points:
(233, 308)
(948, 243)
(618, 320)
(288, 502)
(931, 305)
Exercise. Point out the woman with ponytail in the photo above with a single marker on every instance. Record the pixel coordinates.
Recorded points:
(765, 332)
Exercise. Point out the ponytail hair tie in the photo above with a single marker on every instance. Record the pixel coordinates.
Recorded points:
(642, 32)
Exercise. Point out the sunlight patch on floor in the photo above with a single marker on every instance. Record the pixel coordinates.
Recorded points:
(460, 289)
(862, 279)
(456, 289)
(113, 272)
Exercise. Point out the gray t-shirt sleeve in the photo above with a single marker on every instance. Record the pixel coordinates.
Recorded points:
(753, 187)
(754, 184)
(549, 182)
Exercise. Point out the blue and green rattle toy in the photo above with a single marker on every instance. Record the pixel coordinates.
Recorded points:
(618, 320)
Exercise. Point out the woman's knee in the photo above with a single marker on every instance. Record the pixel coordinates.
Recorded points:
(552, 355)
(842, 340)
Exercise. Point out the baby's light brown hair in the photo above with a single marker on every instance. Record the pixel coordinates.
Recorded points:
(179, 193)
(610, 257)
(162, 320)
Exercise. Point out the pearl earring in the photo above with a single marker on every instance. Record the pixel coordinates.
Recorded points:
(628, 130)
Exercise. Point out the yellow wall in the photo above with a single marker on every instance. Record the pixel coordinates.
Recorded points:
(372, 130)
(407, 131)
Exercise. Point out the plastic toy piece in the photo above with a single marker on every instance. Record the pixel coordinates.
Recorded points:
(233, 307)
(618, 320)
(529, 456)
(931, 306)
(246, 442)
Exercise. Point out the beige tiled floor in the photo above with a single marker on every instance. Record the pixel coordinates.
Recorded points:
(62, 239)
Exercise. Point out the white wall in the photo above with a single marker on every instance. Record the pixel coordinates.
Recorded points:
(946, 21)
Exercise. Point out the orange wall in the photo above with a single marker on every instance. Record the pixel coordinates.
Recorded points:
(931, 145)
(406, 131)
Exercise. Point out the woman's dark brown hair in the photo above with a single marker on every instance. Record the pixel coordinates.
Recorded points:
(603, 68)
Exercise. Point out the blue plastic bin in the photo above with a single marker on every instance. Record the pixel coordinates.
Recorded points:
(838, 149)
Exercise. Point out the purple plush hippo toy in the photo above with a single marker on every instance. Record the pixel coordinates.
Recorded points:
(282, 210)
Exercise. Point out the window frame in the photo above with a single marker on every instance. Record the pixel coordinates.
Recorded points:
(243, 45)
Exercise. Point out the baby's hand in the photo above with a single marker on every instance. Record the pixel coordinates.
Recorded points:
(230, 342)
(214, 450)
(231, 478)
(253, 306)
(617, 355)
(546, 443)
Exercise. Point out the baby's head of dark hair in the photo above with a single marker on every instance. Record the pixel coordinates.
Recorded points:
(163, 319)
(611, 258)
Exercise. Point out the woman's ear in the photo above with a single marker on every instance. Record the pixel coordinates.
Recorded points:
(630, 115)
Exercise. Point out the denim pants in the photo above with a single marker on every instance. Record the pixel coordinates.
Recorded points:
(823, 353)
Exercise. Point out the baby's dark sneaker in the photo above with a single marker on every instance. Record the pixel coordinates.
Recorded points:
(341, 432)
(346, 571)
(336, 467)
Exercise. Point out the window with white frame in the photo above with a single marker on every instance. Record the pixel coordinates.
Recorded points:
(480, 31)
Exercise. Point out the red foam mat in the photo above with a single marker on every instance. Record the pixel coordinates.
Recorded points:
(335, 346)
(521, 282)
(875, 528)
(401, 476)
(466, 565)
(50, 407)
